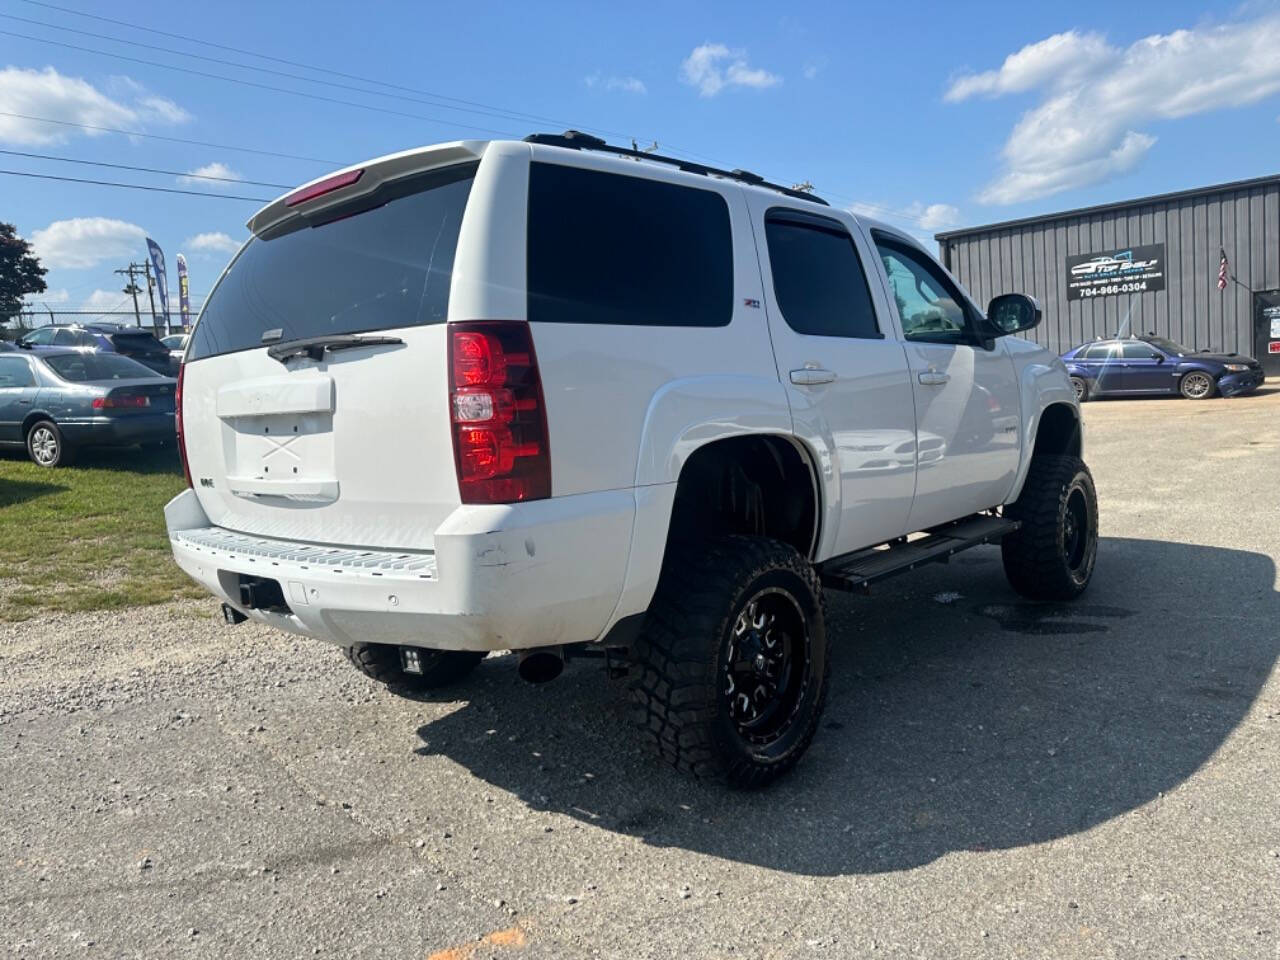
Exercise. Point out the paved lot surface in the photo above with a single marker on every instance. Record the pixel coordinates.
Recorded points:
(995, 779)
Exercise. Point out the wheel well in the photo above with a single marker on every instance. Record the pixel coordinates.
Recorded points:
(1058, 432)
(31, 420)
(759, 485)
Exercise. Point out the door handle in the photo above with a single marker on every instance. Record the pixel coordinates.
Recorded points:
(809, 376)
(25, 403)
(932, 378)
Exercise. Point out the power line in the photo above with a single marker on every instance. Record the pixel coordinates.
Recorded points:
(133, 186)
(435, 101)
(125, 166)
(512, 114)
(156, 136)
(253, 83)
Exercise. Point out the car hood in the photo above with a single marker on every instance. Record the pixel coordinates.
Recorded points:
(1217, 358)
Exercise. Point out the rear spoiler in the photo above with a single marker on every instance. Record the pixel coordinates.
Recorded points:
(363, 178)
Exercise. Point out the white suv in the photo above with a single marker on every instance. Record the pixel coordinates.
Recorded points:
(554, 395)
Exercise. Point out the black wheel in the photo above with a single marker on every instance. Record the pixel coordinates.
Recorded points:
(440, 668)
(46, 446)
(1081, 388)
(731, 667)
(1051, 557)
(1197, 385)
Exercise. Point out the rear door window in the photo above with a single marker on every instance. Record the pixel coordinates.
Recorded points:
(382, 263)
(65, 338)
(16, 372)
(818, 277)
(613, 249)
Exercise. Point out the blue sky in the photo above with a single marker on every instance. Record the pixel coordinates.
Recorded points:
(932, 116)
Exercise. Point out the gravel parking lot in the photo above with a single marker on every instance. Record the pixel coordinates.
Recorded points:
(994, 779)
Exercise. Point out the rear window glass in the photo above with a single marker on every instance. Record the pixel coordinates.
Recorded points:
(137, 341)
(80, 367)
(606, 248)
(818, 277)
(386, 263)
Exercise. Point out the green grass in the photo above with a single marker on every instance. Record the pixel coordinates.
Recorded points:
(90, 536)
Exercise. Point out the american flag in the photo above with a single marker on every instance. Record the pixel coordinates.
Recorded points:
(1222, 272)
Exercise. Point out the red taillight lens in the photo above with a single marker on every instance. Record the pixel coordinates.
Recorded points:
(177, 421)
(327, 185)
(499, 420)
(120, 403)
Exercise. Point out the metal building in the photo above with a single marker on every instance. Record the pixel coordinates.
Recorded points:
(1142, 266)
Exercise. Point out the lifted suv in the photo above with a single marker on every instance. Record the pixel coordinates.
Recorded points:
(555, 395)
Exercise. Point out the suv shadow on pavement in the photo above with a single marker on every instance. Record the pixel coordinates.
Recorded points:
(957, 723)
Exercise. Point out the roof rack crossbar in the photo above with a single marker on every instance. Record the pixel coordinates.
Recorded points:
(577, 140)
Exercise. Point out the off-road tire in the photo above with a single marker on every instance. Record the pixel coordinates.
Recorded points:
(1043, 560)
(680, 673)
(440, 668)
(38, 449)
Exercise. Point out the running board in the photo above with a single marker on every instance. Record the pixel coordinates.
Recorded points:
(858, 570)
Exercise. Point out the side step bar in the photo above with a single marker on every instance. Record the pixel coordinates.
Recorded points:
(858, 570)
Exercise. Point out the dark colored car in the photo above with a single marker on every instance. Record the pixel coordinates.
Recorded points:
(1150, 365)
(135, 343)
(54, 400)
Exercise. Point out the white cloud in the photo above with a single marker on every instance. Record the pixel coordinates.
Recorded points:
(216, 169)
(615, 84)
(925, 216)
(55, 96)
(87, 241)
(106, 300)
(216, 242)
(1095, 96)
(713, 66)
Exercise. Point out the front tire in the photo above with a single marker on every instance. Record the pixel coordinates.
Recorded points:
(1052, 555)
(46, 446)
(1197, 385)
(731, 668)
(381, 662)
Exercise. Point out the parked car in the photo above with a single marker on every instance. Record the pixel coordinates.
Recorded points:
(176, 344)
(661, 408)
(1154, 365)
(54, 400)
(133, 342)
(6, 346)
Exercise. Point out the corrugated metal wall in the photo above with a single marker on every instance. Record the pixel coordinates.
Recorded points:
(1031, 258)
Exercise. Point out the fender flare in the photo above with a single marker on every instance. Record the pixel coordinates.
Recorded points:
(1040, 386)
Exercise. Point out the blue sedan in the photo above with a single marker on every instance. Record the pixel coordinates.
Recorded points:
(54, 400)
(1154, 365)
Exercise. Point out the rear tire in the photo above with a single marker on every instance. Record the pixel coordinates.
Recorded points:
(46, 446)
(1197, 385)
(1052, 555)
(381, 662)
(731, 668)
(1081, 388)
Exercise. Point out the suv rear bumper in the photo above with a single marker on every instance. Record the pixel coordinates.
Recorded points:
(502, 577)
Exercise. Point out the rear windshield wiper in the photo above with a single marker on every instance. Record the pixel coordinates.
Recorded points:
(317, 347)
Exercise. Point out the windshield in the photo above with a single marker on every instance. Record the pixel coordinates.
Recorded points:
(89, 366)
(372, 269)
(1168, 346)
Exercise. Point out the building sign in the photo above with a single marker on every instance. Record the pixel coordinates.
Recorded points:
(1115, 272)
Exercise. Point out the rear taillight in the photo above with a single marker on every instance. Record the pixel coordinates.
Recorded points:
(127, 402)
(177, 421)
(499, 419)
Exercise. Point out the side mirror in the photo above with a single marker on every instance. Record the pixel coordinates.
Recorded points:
(1013, 312)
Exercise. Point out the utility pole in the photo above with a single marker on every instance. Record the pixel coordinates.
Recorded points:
(130, 272)
(146, 268)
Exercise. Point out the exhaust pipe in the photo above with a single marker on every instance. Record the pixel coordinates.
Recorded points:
(541, 665)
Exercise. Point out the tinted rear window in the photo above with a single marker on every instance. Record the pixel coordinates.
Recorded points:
(137, 343)
(818, 277)
(79, 367)
(605, 248)
(383, 264)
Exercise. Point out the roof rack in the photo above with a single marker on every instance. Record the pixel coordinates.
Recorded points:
(577, 140)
